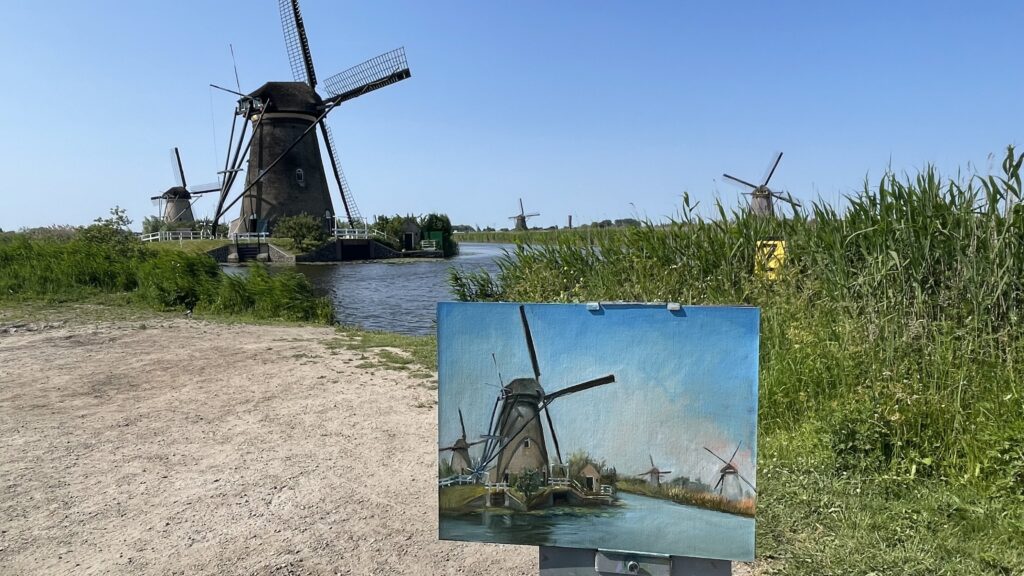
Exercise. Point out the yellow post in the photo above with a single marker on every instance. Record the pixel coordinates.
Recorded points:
(771, 254)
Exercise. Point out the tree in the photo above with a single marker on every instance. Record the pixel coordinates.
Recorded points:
(111, 231)
(305, 231)
(528, 483)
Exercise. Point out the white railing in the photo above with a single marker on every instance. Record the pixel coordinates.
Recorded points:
(456, 480)
(168, 235)
(359, 234)
(428, 245)
(249, 236)
(496, 486)
(607, 490)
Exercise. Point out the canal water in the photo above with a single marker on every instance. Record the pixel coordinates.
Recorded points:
(396, 295)
(640, 524)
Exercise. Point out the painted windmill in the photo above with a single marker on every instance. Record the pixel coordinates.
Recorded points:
(461, 462)
(177, 200)
(516, 440)
(522, 217)
(729, 470)
(762, 198)
(286, 174)
(654, 474)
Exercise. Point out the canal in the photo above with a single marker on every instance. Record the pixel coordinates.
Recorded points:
(396, 295)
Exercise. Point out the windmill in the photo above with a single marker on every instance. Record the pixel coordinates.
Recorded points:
(654, 474)
(285, 174)
(461, 461)
(522, 216)
(517, 437)
(177, 200)
(762, 198)
(729, 470)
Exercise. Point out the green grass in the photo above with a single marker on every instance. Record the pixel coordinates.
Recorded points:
(891, 412)
(418, 354)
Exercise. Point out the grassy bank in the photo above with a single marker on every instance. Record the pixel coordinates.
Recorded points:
(892, 399)
(681, 495)
(104, 262)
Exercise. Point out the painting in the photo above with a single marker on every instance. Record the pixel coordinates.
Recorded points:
(618, 427)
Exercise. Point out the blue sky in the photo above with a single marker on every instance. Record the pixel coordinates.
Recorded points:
(598, 109)
(683, 380)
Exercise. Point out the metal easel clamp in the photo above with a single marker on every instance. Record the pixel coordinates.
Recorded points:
(626, 563)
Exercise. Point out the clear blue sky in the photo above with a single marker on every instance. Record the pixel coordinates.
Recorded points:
(683, 380)
(599, 109)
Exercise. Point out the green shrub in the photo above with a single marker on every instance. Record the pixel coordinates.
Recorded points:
(305, 231)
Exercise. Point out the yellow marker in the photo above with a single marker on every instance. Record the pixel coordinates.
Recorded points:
(771, 254)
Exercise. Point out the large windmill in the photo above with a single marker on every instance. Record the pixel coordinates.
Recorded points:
(177, 200)
(517, 437)
(461, 462)
(729, 470)
(522, 217)
(762, 198)
(286, 174)
(654, 474)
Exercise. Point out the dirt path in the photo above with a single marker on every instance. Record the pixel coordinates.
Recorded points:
(182, 447)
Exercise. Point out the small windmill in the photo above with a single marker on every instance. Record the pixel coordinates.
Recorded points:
(729, 470)
(177, 200)
(461, 461)
(517, 437)
(762, 198)
(654, 474)
(522, 217)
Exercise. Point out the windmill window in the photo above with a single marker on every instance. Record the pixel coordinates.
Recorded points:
(526, 444)
(300, 177)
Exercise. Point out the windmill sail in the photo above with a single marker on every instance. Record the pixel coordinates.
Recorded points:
(347, 199)
(299, 56)
(375, 73)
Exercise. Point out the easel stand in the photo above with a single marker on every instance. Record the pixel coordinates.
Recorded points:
(581, 562)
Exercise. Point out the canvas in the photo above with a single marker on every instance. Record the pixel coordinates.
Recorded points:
(616, 427)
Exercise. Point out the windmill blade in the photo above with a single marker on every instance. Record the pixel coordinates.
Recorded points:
(371, 75)
(521, 209)
(481, 441)
(653, 467)
(446, 449)
(715, 455)
(176, 169)
(771, 171)
(721, 479)
(748, 482)
(529, 343)
(735, 179)
(295, 42)
(463, 424)
(531, 215)
(348, 201)
(548, 398)
(204, 188)
(787, 198)
(554, 437)
(735, 451)
(663, 472)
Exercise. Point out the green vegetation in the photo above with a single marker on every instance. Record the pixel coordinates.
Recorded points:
(106, 259)
(681, 495)
(891, 401)
(456, 499)
(392, 351)
(305, 231)
(431, 226)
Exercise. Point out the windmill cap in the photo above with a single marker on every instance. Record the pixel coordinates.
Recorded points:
(175, 193)
(289, 97)
(526, 387)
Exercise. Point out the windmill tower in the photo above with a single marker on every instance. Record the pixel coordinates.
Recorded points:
(517, 437)
(654, 474)
(461, 461)
(729, 470)
(177, 200)
(286, 175)
(762, 198)
(523, 216)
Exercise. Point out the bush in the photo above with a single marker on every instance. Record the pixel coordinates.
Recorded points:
(305, 231)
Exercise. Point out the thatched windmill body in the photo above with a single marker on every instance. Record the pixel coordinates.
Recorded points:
(517, 443)
(654, 474)
(762, 198)
(286, 174)
(461, 461)
(522, 217)
(729, 470)
(177, 200)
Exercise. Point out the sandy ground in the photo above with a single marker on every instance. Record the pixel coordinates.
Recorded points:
(182, 447)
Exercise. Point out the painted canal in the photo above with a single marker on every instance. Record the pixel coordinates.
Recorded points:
(652, 525)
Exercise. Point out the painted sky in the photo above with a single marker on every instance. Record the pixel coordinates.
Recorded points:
(596, 109)
(684, 380)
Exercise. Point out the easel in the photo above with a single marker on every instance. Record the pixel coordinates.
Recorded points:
(581, 562)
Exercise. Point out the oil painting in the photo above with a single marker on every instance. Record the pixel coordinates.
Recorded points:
(600, 426)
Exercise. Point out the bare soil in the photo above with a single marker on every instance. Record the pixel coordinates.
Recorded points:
(167, 446)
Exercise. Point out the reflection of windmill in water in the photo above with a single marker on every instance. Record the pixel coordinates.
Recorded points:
(516, 443)
(654, 474)
(285, 174)
(177, 201)
(762, 198)
(461, 462)
(522, 217)
(729, 470)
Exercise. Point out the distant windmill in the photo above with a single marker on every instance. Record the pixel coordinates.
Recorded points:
(286, 175)
(517, 438)
(523, 216)
(654, 474)
(177, 200)
(461, 461)
(729, 470)
(762, 198)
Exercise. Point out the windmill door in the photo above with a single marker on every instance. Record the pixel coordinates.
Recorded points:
(407, 241)
(590, 484)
